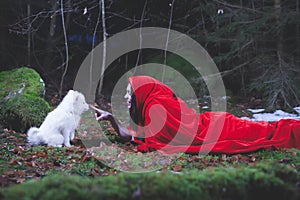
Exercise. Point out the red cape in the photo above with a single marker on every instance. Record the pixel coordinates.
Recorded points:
(167, 125)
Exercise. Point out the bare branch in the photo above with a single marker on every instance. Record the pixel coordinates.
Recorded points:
(236, 6)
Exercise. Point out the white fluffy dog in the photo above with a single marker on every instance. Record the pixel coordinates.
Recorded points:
(60, 124)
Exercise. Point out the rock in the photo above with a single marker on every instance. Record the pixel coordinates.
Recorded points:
(21, 102)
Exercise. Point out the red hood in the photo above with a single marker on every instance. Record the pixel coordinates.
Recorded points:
(147, 89)
(163, 117)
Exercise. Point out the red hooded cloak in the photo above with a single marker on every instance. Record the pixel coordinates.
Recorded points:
(166, 124)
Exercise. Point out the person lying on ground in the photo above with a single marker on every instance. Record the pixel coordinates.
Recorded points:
(162, 121)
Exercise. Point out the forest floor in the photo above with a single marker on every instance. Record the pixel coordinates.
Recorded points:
(21, 162)
(100, 153)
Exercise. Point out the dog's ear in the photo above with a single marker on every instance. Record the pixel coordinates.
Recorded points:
(77, 97)
(70, 92)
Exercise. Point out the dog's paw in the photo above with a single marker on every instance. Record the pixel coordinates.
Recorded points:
(72, 136)
(68, 145)
(56, 145)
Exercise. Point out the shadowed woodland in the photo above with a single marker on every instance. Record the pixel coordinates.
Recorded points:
(255, 45)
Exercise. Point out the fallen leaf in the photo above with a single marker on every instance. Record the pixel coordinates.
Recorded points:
(177, 168)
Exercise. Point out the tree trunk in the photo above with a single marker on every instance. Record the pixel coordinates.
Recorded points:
(298, 32)
(279, 35)
(28, 36)
(104, 34)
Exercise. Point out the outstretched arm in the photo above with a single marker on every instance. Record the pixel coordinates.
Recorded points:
(104, 115)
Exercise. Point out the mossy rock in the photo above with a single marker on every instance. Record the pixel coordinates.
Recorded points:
(23, 111)
(21, 99)
(13, 80)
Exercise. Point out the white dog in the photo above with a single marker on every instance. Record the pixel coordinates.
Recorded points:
(60, 124)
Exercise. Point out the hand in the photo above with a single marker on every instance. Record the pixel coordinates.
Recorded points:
(101, 115)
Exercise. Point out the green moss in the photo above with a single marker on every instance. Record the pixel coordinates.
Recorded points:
(24, 111)
(11, 81)
(254, 182)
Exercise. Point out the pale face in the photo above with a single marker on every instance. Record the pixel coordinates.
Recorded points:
(128, 95)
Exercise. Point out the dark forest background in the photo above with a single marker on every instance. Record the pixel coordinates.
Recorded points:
(254, 43)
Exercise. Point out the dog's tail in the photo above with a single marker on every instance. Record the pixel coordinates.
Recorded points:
(32, 136)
